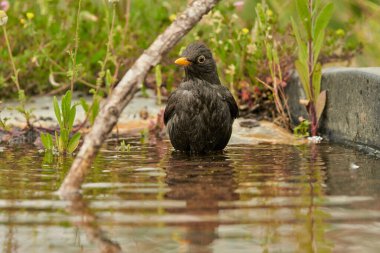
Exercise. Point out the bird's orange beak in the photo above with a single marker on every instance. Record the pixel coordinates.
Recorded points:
(183, 61)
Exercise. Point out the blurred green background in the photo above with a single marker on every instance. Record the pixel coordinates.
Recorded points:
(361, 18)
(42, 33)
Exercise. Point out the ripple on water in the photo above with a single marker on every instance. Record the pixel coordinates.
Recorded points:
(246, 199)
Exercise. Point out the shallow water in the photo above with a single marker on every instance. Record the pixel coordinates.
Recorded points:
(262, 198)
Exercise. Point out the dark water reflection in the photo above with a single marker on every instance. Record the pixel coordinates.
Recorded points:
(260, 198)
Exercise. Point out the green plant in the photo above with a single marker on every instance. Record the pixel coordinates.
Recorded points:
(124, 147)
(276, 84)
(21, 94)
(233, 45)
(302, 130)
(4, 125)
(314, 19)
(103, 75)
(47, 142)
(103, 71)
(144, 135)
(66, 116)
(43, 31)
(3, 24)
(64, 143)
(93, 109)
(75, 67)
(27, 114)
(3, 122)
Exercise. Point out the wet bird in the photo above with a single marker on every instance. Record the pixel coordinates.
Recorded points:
(200, 112)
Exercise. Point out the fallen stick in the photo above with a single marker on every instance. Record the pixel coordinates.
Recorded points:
(124, 91)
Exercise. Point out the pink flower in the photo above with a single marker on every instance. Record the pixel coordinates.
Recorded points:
(239, 5)
(4, 5)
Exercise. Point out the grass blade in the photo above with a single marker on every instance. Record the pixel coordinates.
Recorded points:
(304, 77)
(57, 111)
(73, 143)
(302, 48)
(317, 76)
(304, 14)
(323, 19)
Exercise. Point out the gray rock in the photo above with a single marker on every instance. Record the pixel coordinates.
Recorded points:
(352, 113)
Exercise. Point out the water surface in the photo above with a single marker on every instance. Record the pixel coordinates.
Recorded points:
(262, 198)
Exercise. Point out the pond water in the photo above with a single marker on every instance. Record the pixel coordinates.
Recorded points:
(261, 198)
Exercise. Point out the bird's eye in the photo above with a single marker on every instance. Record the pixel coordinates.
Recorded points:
(201, 59)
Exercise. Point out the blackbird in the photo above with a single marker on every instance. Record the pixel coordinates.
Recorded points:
(200, 112)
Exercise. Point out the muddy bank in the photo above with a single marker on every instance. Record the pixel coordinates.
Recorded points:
(142, 115)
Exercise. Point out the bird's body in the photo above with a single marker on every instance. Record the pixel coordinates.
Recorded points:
(200, 113)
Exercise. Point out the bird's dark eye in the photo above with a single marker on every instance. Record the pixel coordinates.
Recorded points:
(201, 59)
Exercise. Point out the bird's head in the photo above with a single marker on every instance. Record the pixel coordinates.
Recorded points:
(199, 63)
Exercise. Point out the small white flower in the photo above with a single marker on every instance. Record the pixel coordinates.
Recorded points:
(3, 18)
(315, 139)
(113, 1)
(353, 166)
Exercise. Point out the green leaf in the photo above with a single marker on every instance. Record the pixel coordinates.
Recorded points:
(95, 110)
(109, 79)
(144, 91)
(302, 130)
(323, 19)
(320, 105)
(48, 141)
(73, 143)
(21, 96)
(59, 143)
(318, 46)
(66, 107)
(57, 112)
(317, 76)
(269, 53)
(45, 141)
(51, 144)
(56, 138)
(302, 9)
(84, 104)
(304, 14)
(304, 77)
(158, 75)
(92, 91)
(317, 4)
(71, 119)
(64, 137)
(61, 146)
(302, 48)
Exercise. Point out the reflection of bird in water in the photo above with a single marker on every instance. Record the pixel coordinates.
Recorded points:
(201, 181)
(200, 113)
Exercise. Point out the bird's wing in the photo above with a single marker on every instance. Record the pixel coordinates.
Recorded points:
(170, 106)
(229, 98)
